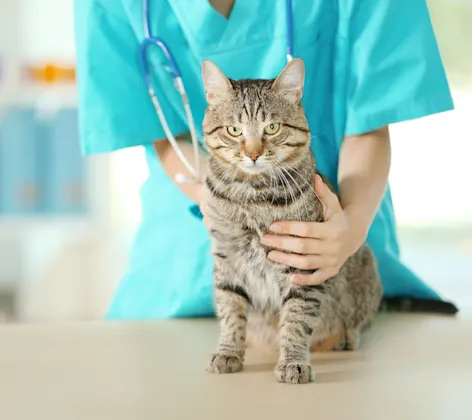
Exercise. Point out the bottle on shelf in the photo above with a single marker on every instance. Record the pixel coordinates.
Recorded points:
(19, 167)
(41, 168)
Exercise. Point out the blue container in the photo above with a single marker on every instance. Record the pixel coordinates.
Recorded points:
(65, 172)
(20, 192)
(44, 158)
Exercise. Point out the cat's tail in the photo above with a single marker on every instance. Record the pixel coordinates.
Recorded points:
(411, 305)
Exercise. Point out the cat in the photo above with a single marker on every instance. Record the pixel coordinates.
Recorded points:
(260, 170)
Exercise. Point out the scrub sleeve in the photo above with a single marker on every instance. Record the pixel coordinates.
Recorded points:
(395, 72)
(115, 110)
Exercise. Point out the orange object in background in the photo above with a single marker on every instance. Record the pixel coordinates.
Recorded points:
(50, 74)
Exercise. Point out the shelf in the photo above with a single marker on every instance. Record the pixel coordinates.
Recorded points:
(15, 224)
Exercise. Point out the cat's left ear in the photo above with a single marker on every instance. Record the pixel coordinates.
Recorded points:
(291, 80)
(217, 86)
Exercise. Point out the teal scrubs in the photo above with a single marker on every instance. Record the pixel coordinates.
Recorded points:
(368, 64)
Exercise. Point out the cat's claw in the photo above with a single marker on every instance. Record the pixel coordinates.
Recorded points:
(294, 373)
(340, 345)
(221, 363)
(353, 339)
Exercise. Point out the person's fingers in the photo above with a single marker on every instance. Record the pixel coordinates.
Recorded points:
(329, 199)
(303, 262)
(294, 244)
(319, 186)
(318, 277)
(301, 229)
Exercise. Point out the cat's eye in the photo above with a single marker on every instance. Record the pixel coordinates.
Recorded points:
(234, 131)
(272, 129)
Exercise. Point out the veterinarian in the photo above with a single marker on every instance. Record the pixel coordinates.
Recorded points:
(368, 64)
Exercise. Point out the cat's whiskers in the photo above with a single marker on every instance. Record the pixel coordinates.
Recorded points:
(277, 178)
(308, 183)
(276, 183)
(302, 195)
(271, 184)
(287, 182)
(283, 186)
(281, 166)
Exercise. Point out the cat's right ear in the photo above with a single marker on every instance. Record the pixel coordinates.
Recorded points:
(217, 86)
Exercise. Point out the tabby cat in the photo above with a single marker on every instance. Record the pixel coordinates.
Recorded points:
(261, 169)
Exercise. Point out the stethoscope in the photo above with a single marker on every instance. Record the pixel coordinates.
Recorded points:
(174, 71)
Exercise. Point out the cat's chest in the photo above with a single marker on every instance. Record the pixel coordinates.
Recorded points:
(260, 277)
(265, 290)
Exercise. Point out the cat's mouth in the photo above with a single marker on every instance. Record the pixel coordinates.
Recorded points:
(254, 167)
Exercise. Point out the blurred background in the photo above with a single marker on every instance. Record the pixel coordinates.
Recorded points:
(66, 223)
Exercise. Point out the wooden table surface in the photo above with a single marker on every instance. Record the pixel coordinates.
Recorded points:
(409, 367)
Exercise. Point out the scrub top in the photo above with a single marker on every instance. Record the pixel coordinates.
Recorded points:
(368, 64)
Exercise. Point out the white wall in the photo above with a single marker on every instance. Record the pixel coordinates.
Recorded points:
(430, 173)
(46, 29)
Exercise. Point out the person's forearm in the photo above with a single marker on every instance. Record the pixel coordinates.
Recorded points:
(364, 166)
(172, 165)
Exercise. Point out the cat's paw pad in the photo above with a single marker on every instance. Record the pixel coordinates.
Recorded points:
(294, 373)
(225, 363)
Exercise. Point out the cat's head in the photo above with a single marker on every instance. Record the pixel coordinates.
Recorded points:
(256, 125)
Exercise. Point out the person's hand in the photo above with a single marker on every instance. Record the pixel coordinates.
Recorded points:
(323, 246)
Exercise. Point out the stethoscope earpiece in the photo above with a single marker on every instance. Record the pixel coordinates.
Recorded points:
(180, 178)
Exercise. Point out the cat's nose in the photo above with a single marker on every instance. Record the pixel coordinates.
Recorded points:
(253, 156)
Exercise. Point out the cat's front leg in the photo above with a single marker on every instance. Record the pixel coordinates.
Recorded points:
(299, 317)
(232, 304)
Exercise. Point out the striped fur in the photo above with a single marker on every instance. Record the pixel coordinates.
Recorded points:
(252, 294)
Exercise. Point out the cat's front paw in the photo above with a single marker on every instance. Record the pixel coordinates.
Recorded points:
(294, 373)
(225, 363)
